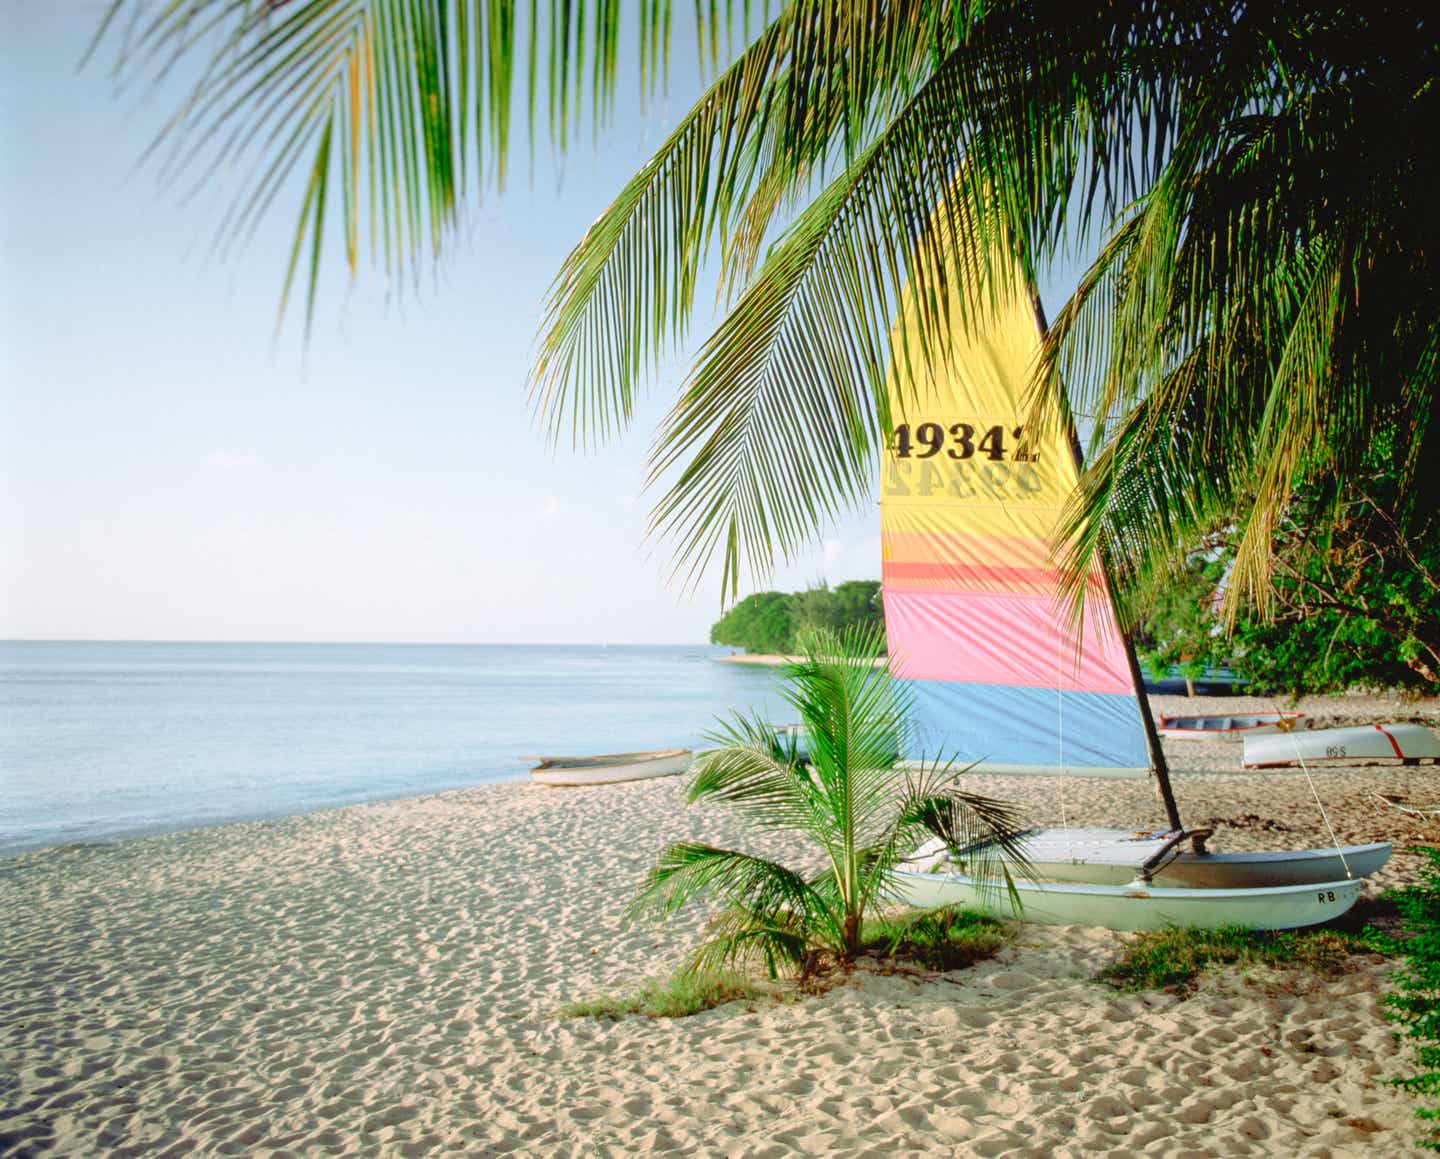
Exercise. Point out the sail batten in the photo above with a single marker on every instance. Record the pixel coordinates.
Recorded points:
(970, 504)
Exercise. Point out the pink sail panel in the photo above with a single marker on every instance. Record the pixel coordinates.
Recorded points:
(1015, 640)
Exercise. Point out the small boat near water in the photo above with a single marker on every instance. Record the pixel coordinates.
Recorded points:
(609, 768)
(1236, 727)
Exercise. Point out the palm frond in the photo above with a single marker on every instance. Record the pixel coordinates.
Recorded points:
(1261, 172)
(987, 834)
(808, 91)
(777, 432)
(758, 774)
(391, 110)
(687, 870)
(741, 936)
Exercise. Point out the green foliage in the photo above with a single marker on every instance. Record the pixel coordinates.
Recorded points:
(815, 610)
(1174, 959)
(1415, 1004)
(773, 623)
(858, 606)
(759, 623)
(939, 939)
(943, 939)
(1328, 652)
(1357, 603)
(679, 996)
(1180, 627)
(846, 799)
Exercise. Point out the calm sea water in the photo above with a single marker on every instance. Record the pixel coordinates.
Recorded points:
(99, 741)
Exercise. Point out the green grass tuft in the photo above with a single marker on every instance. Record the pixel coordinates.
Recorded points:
(944, 939)
(1174, 959)
(676, 997)
(939, 939)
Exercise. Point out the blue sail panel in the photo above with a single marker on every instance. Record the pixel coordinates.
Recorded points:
(1040, 728)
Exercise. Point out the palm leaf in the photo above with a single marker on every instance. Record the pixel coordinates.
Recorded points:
(394, 108)
(688, 870)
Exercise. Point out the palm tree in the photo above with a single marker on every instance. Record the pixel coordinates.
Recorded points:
(843, 796)
(1260, 179)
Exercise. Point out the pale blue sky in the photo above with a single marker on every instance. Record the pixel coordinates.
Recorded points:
(169, 472)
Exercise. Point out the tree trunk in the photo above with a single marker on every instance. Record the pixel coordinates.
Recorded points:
(1425, 670)
(1430, 641)
(851, 937)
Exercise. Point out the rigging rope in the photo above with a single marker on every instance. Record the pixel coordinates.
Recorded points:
(1060, 710)
(1290, 732)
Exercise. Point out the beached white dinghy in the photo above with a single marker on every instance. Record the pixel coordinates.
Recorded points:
(1407, 744)
(1118, 856)
(609, 768)
(1137, 905)
(1236, 727)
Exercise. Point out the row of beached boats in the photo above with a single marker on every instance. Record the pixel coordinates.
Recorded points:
(1118, 878)
(1408, 744)
(1271, 740)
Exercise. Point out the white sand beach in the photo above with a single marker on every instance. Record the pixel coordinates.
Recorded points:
(381, 980)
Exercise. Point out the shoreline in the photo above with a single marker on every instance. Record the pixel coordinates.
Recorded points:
(1186, 757)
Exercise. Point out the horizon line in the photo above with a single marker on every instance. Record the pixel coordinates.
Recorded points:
(367, 643)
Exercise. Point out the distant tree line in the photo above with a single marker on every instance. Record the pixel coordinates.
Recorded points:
(774, 622)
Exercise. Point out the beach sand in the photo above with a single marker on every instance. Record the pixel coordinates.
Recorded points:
(381, 980)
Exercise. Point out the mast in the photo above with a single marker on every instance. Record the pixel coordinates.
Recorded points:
(1159, 767)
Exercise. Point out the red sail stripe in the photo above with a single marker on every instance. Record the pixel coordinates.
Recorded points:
(961, 575)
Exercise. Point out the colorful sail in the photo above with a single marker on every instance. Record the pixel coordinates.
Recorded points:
(969, 507)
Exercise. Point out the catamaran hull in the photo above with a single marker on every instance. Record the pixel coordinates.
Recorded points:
(1115, 856)
(1235, 870)
(1103, 857)
(1135, 906)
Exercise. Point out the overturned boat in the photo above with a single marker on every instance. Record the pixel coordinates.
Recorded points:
(1390, 744)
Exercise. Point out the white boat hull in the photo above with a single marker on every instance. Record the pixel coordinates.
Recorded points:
(1114, 856)
(1135, 906)
(614, 768)
(1384, 743)
(1233, 728)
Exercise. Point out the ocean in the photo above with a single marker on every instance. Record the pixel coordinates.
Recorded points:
(106, 740)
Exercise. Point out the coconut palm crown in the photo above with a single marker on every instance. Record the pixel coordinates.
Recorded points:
(1259, 179)
(843, 796)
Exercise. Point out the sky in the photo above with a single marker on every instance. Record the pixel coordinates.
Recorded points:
(170, 470)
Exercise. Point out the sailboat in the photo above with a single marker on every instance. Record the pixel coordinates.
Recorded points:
(1003, 677)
